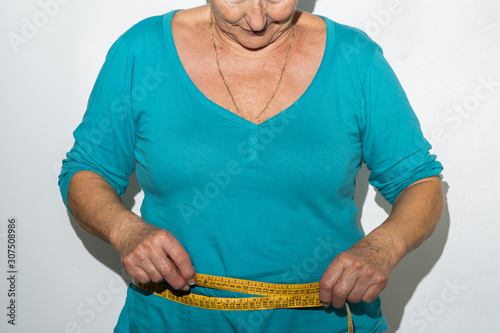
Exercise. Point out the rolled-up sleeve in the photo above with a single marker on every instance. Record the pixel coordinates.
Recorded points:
(105, 139)
(394, 148)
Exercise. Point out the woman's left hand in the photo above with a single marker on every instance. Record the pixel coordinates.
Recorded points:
(360, 273)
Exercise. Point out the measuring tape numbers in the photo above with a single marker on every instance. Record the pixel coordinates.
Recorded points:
(271, 295)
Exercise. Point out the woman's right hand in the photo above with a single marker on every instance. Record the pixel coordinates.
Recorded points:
(150, 253)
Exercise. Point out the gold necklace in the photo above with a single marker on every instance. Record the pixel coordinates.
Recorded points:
(224, 79)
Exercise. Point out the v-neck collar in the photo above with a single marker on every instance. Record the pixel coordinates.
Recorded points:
(174, 55)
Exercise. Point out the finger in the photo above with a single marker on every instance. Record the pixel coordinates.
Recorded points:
(140, 267)
(148, 262)
(139, 274)
(373, 291)
(343, 288)
(180, 258)
(368, 286)
(359, 290)
(168, 271)
(328, 282)
(151, 270)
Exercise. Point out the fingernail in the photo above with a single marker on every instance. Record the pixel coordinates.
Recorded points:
(191, 282)
(326, 305)
(186, 288)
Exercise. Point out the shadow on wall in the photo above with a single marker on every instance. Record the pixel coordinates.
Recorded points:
(306, 5)
(415, 266)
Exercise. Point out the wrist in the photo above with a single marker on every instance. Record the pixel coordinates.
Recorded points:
(126, 220)
(388, 241)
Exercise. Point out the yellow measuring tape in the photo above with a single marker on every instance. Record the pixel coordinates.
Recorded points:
(272, 295)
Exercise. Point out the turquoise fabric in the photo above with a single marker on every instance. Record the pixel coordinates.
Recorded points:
(270, 202)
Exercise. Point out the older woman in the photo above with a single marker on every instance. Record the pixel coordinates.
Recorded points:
(247, 122)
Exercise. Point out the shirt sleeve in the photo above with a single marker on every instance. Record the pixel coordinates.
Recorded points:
(105, 139)
(394, 148)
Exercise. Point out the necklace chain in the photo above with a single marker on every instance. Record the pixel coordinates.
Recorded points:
(224, 79)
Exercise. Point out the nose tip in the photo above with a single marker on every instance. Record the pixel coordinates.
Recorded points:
(259, 30)
(256, 18)
(257, 23)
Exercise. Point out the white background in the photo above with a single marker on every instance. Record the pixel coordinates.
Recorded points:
(443, 52)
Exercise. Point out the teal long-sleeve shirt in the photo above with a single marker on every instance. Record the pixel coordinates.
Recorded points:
(271, 202)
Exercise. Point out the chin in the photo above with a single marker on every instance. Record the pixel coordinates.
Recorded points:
(255, 45)
(254, 41)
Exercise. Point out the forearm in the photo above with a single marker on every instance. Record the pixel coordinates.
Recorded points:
(97, 208)
(414, 217)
